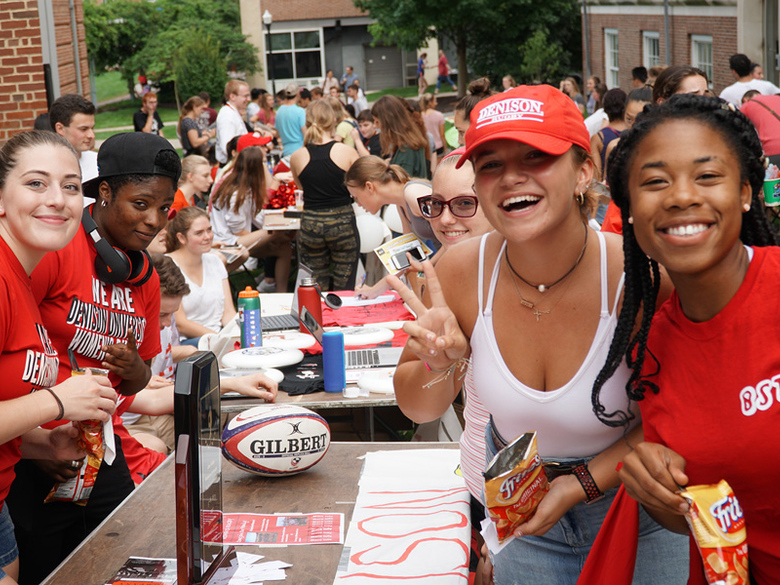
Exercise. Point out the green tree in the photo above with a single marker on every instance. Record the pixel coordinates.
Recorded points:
(200, 67)
(543, 59)
(154, 36)
(488, 34)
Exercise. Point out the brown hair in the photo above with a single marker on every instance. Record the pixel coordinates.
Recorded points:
(398, 128)
(172, 283)
(246, 179)
(479, 90)
(9, 153)
(180, 224)
(374, 169)
(669, 80)
(188, 106)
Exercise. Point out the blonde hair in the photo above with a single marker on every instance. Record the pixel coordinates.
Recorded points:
(189, 164)
(320, 118)
(374, 169)
(181, 224)
(338, 108)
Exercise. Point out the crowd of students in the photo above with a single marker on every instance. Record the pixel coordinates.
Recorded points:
(616, 345)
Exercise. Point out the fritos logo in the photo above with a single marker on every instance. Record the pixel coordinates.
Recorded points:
(511, 110)
(728, 514)
(511, 484)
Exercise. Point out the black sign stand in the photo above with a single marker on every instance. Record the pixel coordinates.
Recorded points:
(199, 548)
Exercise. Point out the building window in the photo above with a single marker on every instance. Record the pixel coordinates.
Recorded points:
(652, 49)
(296, 55)
(611, 69)
(701, 54)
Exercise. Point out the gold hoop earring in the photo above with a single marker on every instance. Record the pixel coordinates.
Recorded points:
(580, 197)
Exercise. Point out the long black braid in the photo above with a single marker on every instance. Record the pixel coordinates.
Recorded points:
(642, 274)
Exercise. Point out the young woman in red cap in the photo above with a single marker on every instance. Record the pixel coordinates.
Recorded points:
(535, 321)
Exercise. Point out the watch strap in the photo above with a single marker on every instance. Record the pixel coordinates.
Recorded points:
(592, 491)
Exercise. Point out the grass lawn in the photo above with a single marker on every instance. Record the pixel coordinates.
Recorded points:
(121, 114)
(403, 92)
(110, 85)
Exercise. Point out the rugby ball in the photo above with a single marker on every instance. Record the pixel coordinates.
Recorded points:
(276, 440)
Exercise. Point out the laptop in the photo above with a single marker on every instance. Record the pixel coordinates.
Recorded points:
(290, 320)
(355, 359)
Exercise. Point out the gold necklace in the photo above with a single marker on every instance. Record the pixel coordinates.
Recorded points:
(531, 305)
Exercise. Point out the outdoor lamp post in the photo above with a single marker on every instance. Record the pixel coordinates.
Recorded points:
(268, 20)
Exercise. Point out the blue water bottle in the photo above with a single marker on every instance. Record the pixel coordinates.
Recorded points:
(334, 371)
(249, 318)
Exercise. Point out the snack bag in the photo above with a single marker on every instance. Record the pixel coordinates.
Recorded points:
(79, 488)
(515, 483)
(718, 525)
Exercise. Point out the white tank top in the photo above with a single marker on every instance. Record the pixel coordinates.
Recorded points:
(563, 418)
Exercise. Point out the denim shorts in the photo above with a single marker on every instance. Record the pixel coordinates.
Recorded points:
(557, 557)
(8, 550)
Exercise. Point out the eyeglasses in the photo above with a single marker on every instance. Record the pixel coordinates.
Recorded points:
(463, 206)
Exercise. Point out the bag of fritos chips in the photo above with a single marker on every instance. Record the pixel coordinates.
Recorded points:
(515, 483)
(718, 525)
(79, 488)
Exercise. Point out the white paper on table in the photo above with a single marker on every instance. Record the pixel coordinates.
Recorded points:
(411, 521)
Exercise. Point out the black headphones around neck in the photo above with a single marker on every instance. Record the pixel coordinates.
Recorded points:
(112, 265)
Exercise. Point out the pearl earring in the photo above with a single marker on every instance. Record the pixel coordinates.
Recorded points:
(631, 220)
(746, 207)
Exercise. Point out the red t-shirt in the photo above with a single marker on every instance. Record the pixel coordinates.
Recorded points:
(83, 313)
(28, 361)
(140, 460)
(443, 68)
(613, 221)
(766, 122)
(719, 403)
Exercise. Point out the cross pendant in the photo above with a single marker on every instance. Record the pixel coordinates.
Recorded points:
(539, 313)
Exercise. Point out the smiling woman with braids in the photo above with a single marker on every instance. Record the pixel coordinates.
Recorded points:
(688, 180)
(534, 320)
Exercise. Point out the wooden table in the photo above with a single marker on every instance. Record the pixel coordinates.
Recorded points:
(144, 525)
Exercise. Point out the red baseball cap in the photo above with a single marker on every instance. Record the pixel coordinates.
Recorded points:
(252, 139)
(538, 115)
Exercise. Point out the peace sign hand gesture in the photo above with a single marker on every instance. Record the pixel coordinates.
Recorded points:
(435, 337)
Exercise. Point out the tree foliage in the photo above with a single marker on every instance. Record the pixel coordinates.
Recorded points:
(490, 36)
(155, 37)
(543, 60)
(200, 68)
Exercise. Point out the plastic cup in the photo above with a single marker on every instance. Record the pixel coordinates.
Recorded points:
(772, 193)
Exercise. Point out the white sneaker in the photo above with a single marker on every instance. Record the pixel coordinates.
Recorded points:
(266, 287)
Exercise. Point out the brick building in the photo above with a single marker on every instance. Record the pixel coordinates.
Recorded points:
(312, 36)
(39, 60)
(620, 36)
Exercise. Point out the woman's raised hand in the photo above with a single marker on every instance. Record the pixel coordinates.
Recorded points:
(435, 337)
(652, 475)
(86, 397)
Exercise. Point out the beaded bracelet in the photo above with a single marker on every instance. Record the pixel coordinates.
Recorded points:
(59, 403)
(457, 364)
